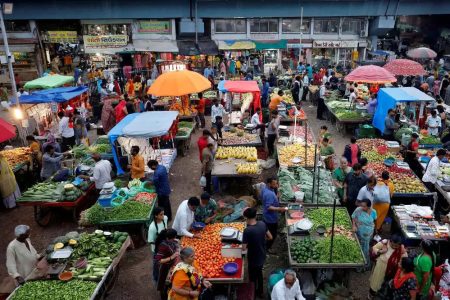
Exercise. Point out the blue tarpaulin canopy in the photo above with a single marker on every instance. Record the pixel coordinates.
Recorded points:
(143, 125)
(388, 98)
(61, 94)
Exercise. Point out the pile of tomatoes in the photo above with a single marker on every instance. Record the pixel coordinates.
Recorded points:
(208, 249)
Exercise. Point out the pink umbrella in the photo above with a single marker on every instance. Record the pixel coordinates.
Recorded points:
(404, 67)
(421, 53)
(370, 74)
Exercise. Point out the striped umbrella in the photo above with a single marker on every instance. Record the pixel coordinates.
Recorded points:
(405, 67)
(421, 53)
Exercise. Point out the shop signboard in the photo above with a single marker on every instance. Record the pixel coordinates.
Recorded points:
(335, 44)
(62, 36)
(155, 26)
(105, 41)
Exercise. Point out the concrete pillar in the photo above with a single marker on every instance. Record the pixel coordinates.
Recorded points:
(373, 42)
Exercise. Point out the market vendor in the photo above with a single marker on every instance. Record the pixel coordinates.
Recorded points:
(325, 148)
(21, 257)
(372, 104)
(276, 100)
(207, 210)
(410, 155)
(66, 131)
(102, 172)
(433, 170)
(9, 189)
(51, 162)
(162, 187)
(137, 166)
(339, 175)
(185, 217)
(35, 148)
(245, 118)
(433, 123)
(255, 120)
(271, 207)
(390, 126)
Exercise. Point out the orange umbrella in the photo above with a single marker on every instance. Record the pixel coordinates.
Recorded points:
(179, 83)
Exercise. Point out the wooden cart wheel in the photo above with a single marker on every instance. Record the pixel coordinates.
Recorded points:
(42, 215)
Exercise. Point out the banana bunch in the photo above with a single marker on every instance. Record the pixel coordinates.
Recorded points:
(247, 153)
(247, 168)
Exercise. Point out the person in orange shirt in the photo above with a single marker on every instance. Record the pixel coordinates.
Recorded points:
(276, 100)
(201, 110)
(186, 279)
(137, 166)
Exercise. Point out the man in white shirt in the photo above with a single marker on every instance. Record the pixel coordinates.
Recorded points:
(287, 288)
(216, 110)
(433, 170)
(66, 131)
(102, 172)
(305, 86)
(352, 96)
(366, 192)
(256, 122)
(185, 217)
(433, 122)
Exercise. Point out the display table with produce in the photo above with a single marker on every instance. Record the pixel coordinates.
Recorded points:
(47, 196)
(236, 162)
(309, 239)
(17, 158)
(346, 118)
(296, 134)
(314, 187)
(417, 223)
(238, 137)
(77, 266)
(128, 209)
(289, 116)
(183, 137)
(297, 155)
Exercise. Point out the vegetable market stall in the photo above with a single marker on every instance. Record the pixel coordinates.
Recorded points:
(17, 158)
(47, 196)
(90, 260)
(141, 128)
(311, 248)
(345, 116)
(183, 137)
(246, 93)
(297, 154)
(238, 137)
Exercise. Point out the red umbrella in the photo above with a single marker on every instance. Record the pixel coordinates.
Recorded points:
(7, 131)
(421, 53)
(370, 74)
(404, 67)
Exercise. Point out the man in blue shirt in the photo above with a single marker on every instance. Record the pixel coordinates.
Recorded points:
(300, 68)
(265, 93)
(271, 208)
(208, 71)
(162, 187)
(309, 69)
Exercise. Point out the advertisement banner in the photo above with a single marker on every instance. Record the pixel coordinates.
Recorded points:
(150, 26)
(62, 36)
(105, 41)
(335, 44)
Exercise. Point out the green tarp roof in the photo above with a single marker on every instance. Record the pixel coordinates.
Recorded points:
(49, 81)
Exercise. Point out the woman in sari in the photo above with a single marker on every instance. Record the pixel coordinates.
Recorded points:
(352, 152)
(339, 175)
(382, 194)
(423, 268)
(186, 278)
(9, 190)
(165, 255)
(121, 110)
(388, 253)
(405, 282)
(364, 224)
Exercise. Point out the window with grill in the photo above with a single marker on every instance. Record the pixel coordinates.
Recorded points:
(293, 26)
(326, 25)
(230, 26)
(264, 26)
(353, 26)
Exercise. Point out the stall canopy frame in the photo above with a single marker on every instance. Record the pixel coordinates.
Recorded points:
(242, 86)
(143, 125)
(58, 95)
(389, 97)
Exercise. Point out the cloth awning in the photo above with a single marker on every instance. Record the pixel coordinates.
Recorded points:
(236, 45)
(242, 86)
(61, 94)
(28, 48)
(141, 125)
(208, 47)
(262, 45)
(49, 81)
(155, 45)
(187, 48)
(388, 98)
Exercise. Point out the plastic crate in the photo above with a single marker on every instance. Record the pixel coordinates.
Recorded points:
(366, 131)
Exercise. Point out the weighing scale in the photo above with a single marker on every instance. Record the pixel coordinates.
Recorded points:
(296, 229)
(231, 235)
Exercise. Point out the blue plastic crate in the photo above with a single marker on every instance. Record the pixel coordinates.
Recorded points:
(105, 200)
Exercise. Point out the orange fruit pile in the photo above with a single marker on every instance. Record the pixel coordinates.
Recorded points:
(208, 249)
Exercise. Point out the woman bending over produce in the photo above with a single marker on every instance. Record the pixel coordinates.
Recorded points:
(186, 279)
(363, 224)
(388, 255)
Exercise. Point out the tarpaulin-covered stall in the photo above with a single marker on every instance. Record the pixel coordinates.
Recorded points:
(58, 95)
(49, 81)
(137, 129)
(389, 97)
(242, 86)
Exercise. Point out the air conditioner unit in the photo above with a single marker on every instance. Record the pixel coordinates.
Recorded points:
(362, 33)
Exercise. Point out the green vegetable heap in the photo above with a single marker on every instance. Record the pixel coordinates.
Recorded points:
(53, 289)
(130, 210)
(324, 216)
(345, 250)
(92, 245)
(304, 250)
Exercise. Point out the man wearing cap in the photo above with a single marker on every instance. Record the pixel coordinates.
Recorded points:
(21, 257)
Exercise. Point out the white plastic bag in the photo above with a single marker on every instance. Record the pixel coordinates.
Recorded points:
(203, 181)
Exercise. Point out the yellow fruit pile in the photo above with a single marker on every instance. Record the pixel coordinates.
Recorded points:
(289, 152)
(248, 153)
(247, 168)
(16, 156)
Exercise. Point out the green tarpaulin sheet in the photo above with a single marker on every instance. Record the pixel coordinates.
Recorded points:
(47, 82)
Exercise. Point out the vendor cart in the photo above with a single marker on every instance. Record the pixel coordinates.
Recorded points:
(183, 140)
(43, 210)
(343, 125)
(106, 284)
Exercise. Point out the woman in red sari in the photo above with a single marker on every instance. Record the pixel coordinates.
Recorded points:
(121, 110)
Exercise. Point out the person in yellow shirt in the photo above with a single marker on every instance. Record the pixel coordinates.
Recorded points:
(276, 100)
(137, 166)
(36, 154)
